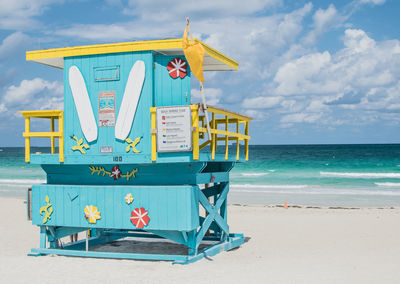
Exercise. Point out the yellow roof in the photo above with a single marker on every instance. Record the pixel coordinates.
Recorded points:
(213, 59)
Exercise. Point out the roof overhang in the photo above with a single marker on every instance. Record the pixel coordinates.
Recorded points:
(213, 59)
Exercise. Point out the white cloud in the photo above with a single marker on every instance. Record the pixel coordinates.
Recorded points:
(381, 99)
(3, 108)
(358, 84)
(301, 117)
(374, 2)
(358, 40)
(20, 14)
(251, 40)
(281, 68)
(298, 76)
(206, 16)
(12, 43)
(322, 18)
(317, 106)
(377, 79)
(362, 64)
(261, 102)
(114, 2)
(291, 25)
(198, 9)
(212, 95)
(323, 21)
(113, 32)
(292, 105)
(256, 115)
(254, 41)
(37, 94)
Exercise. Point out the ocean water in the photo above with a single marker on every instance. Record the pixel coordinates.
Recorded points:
(326, 175)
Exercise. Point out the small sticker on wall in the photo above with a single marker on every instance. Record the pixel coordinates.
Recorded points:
(107, 109)
(106, 149)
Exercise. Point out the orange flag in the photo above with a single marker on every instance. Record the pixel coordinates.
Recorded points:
(194, 53)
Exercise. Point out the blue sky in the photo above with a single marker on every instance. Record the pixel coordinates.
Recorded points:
(309, 71)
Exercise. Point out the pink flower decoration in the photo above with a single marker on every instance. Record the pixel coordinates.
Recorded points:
(177, 68)
(140, 217)
(115, 172)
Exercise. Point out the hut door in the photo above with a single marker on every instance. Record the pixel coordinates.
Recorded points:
(171, 82)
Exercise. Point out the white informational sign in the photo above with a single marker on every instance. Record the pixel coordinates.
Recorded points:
(174, 129)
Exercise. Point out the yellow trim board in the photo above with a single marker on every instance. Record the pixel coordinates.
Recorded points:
(228, 113)
(41, 113)
(156, 45)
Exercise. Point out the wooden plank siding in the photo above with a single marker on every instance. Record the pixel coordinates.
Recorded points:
(169, 207)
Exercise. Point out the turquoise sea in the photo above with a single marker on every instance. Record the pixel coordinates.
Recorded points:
(326, 175)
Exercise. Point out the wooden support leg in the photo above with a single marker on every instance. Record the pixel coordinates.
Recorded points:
(213, 214)
(87, 240)
(51, 237)
(215, 198)
(207, 185)
(223, 212)
(43, 237)
(192, 243)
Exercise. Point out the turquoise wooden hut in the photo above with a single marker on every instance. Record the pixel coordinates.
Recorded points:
(130, 155)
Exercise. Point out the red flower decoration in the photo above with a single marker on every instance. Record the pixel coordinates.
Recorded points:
(140, 217)
(177, 67)
(115, 172)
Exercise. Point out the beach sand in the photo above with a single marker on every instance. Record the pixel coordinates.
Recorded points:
(295, 245)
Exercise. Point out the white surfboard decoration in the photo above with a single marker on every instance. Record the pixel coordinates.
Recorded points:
(82, 104)
(127, 111)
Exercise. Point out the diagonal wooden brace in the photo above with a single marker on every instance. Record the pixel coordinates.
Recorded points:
(213, 214)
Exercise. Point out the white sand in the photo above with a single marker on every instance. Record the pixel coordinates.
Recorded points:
(284, 246)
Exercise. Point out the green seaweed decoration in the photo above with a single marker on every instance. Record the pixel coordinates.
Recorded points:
(79, 146)
(47, 209)
(99, 171)
(114, 173)
(130, 174)
(132, 144)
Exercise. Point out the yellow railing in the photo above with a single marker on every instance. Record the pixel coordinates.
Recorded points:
(199, 131)
(49, 114)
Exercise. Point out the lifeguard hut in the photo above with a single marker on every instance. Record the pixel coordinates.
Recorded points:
(133, 153)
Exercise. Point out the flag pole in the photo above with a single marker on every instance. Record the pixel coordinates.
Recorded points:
(203, 97)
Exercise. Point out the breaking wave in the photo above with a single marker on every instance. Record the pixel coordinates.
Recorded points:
(22, 181)
(360, 175)
(388, 184)
(254, 174)
(270, 186)
(305, 189)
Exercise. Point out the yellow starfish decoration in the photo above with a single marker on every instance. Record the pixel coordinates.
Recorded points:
(132, 144)
(92, 214)
(79, 145)
(44, 209)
